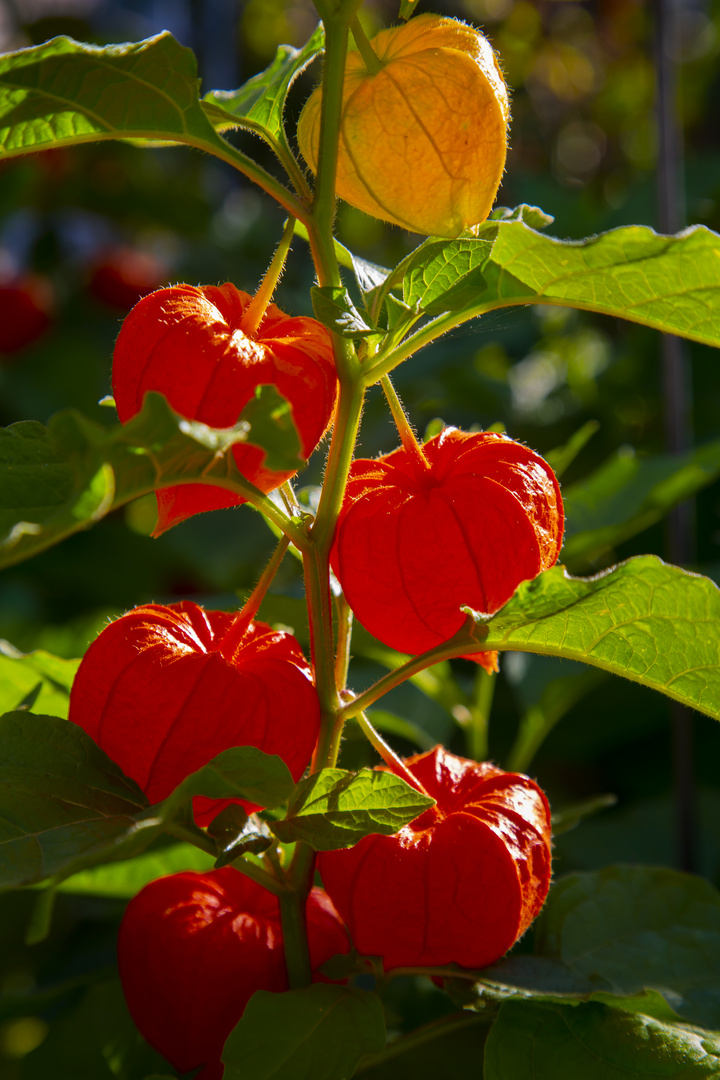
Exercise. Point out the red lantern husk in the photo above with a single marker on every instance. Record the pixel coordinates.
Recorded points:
(414, 543)
(165, 688)
(188, 344)
(461, 883)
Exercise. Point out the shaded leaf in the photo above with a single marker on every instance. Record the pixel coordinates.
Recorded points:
(261, 99)
(562, 456)
(319, 1033)
(236, 834)
(65, 806)
(671, 283)
(59, 479)
(653, 623)
(62, 800)
(558, 1042)
(637, 928)
(334, 808)
(629, 493)
(22, 673)
(334, 308)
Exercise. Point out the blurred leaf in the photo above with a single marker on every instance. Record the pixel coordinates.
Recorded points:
(629, 493)
(653, 623)
(562, 456)
(547, 688)
(65, 806)
(95, 1039)
(334, 308)
(407, 8)
(64, 92)
(126, 879)
(557, 1042)
(397, 725)
(637, 928)
(65, 477)
(262, 98)
(334, 808)
(571, 816)
(19, 675)
(671, 283)
(319, 1033)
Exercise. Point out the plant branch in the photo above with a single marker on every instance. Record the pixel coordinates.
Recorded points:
(255, 311)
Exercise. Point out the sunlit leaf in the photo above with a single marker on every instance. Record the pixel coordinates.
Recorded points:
(671, 283)
(335, 808)
(653, 623)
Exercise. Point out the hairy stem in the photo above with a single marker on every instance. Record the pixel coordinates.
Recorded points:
(255, 312)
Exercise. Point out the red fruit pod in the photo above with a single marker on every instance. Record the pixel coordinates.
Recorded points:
(459, 884)
(27, 308)
(193, 949)
(188, 343)
(416, 542)
(163, 689)
(121, 276)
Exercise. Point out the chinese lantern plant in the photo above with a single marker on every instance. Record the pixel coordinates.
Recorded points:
(445, 549)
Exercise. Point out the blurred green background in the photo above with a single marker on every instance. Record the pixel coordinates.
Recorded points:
(86, 231)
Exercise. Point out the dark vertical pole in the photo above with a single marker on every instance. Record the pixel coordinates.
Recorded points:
(677, 397)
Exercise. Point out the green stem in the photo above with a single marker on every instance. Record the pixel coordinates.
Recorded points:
(533, 729)
(256, 873)
(191, 834)
(297, 952)
(236, 633)
(386, 752)
(370, 58)
(244, 164)
(344, 636)
(407, 436)
(477, 730)
(255, 312)
(459, 644)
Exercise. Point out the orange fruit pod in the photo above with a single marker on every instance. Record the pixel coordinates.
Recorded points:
(188, 343)
(192, 950)
(417, 541)
(422, 139)
(461, 883)
(165, 688)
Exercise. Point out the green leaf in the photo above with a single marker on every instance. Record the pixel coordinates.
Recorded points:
(671, 283)
(653, 623)
(334, 308)
(629, 493)
(57, 480)
(637, 928)
(63, 92)
(319, 1033)
(243, 772)
(531, 215)
(65, 806)
(62, 801)
(22, 673)
(558, 1042)
(334, 808)
(261, 100)
(126, 879)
